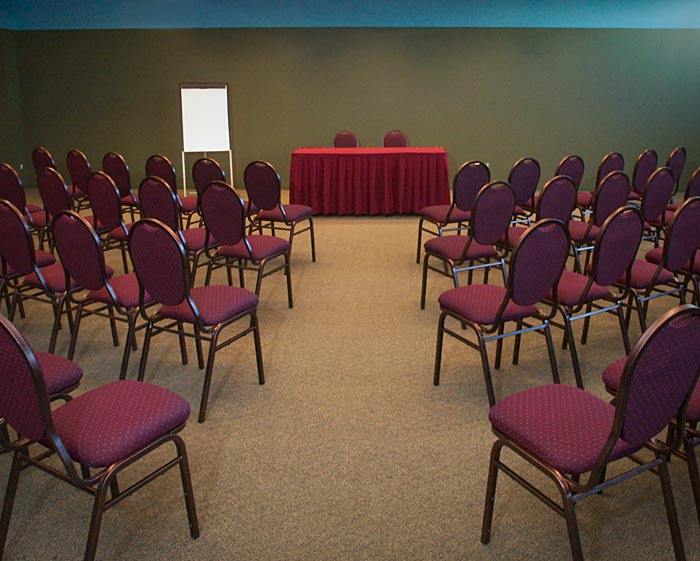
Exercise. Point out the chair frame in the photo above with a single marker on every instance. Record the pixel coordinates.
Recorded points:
(570, 488)
(99, 485)
(486, 333)
(201, 332)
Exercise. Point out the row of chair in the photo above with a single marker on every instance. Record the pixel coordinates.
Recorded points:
(348, 139)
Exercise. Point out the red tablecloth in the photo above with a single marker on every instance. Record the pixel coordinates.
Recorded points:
(369, 180)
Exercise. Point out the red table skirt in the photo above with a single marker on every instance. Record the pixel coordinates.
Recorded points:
(369, 180)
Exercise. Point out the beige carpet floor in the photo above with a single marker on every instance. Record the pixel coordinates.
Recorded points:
(348, 452)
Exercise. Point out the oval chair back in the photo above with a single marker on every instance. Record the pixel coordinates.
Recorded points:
(693, 187)
(523, 179)
(612, 161)
(115, 166)
(573, 167)
(345, 139)
(657, 192)
(467, 182)
(682, 235)
(158, 201)
(262, 184)
(16, 243)
(11, 187)
(676, 161)
(160, 261)
(610, 194)
(616, 246)
(537, 262)
(53, 191)
(104, 200)
(78, 169)
(492, 212)
(643, 168)
(204, 171)
(395, 139)
(160, 166)
(80, 250)
(42, 158)
(224, 213)
(557, 199)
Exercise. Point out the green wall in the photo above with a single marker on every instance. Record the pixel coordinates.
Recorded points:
(11, 136)
(489, 94)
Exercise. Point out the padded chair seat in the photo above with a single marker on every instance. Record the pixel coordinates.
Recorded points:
(188, 203)
(512, 235)
(32, 208)
(438, 214)
(480, 303)
(655, 255)
(54, 276)
(571, 287)
(251, 208)
(578, 229)
(60, 374)
(118, 233)
(126, 287)
(130, 200)
(452, 247)
(634, 196)
(43, 258)
(38, 218)
(111, 422)
(294, 213)
(262, 247)
(643, 273)
(195, 237)
(563, 425)
(584, 199)
(215, 304)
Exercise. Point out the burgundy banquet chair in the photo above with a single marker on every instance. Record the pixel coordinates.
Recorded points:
(345, 139)
(657, 192)
(395, 139)
(643, 167)
(12, 190)
(105, 429)
(115, 166)
(158, 165)
(612, 161)
(469, 179)
(676, 162)
(535, 267)
(571, 436)
(79, 170)
(523, 179)
(162, 269)
(42, 158)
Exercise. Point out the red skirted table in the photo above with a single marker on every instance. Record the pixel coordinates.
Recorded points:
(369, 180)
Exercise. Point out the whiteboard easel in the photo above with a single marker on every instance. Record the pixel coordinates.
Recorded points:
(204, 122)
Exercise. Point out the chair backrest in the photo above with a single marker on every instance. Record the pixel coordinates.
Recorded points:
(79, 169)
(160, 166)
(612, 161)
(16, 243)
(676, 161)
(160, 261)
(204, 171)
(643, 168)
(658, 377)
(158, 201)
(572, 166)
(24, 400)
(104, 200)
(395, 139)
(345, 139)
(616, 246)
(467, 182)
(224, 214)
(11, 187)
(523, 179)
(693, 188)
(80, 250)
(262, 183)
(537, 262)
(610, 194)
(657, 193)
(42, 158)
(53, 191)
(557, 199)
(492, 212)
(682, 235)
(115, 166)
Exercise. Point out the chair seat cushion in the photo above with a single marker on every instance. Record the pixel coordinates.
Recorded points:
(195, 238)
(512, 235)
(60, 374)
(130, 200)
(53, 275)
(571, 287)
(563, 425)
(119, 234)
(584, 199)
(43, 258)
(38, 218)
(579, 232)
(189, 203)
(251, 208)
(294, 213)
(32, 208)
(215, 304)
(452, 247)
(111, 422)
(480, 303)
(642, 275)
(126, 287)
(438, 214)
(262, 247)
(655, 255)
